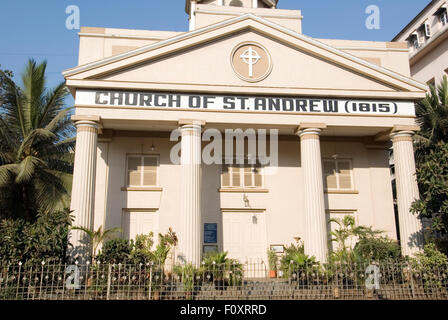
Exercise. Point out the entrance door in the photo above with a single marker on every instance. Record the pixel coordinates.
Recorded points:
(138, 222)
(244, 238)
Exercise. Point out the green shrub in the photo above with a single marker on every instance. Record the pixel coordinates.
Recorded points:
(272, 260)
(430, 263)
(189, 275)
(378, 249)
(115, 251)
(221, 269)
(296, 262)
(141, 252)
(44, 240)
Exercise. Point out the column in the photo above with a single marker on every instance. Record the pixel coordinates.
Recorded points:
(83, 187)
(315, 220)
(411, 235)
(190, 236)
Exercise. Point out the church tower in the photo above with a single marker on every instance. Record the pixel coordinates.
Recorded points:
(203, 13)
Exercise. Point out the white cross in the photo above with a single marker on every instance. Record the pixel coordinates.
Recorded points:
(251, 57)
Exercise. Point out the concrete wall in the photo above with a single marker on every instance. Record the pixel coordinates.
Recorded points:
(433, 65)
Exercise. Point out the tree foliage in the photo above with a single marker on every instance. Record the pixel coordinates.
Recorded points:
(36, 145)
(361, 244)
(432, 160)
(97, 237)
(139, 250)
(44, 240)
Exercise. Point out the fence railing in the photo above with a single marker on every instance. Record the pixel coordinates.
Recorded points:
(149, 281)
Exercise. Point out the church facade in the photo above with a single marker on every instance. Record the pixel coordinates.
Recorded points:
(157, 114)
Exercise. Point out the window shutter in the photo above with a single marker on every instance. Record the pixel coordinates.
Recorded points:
(427, 30)
(134, 171)
(345, 175)
(236, 177)
(248, 177)
(330, 174)
(225, 176)
(258, 177)
(150, 171)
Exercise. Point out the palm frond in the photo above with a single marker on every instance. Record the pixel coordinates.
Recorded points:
(7, 174)
(33, 81)
(34, 136)
(58, 119)
(53, 104)
(27, 168)
(14, 110)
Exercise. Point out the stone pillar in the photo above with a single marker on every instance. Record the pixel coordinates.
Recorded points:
(411, 231)
(313, 189)
(83, 187)
(190, 235)
(254, 3)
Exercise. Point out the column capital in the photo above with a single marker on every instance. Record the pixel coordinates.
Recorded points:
(87, 121)
(398, 136)
(400, 127)
(191, 122)
(77, 118)
(306, 128)
(310, 133)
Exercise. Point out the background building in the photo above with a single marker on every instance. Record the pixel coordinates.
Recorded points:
(427, 38)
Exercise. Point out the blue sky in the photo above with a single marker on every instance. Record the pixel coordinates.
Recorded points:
(30, 28)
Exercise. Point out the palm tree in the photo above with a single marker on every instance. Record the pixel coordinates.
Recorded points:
(432, 116)
(97, 237)
(36, 145)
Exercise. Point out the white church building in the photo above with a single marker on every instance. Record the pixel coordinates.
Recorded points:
(335, 107)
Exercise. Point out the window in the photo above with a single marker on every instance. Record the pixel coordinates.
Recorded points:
(427, 29)
(142, 170)
(236, 3)
(241, 176)
(414, 41)
(338, 174)
(443, 17)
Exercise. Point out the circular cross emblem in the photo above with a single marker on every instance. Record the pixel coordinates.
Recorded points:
(251, 62)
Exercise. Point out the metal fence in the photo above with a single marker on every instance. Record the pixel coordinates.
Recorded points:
(54, 281)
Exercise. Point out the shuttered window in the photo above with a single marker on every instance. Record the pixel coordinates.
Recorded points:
(142, 170)
(241, 176)
(338, 174)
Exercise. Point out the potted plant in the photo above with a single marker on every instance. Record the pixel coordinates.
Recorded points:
(272, 259)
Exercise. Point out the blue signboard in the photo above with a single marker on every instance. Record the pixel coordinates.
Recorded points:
(210, 232)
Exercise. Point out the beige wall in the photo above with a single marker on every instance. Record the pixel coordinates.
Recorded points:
(292, 68)
(390, 55)
(283, 203)
(432, 65)
(98, 43)
(210, 14)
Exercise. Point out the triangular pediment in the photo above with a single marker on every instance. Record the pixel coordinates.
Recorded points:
(202, 58)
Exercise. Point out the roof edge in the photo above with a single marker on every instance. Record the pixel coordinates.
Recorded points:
(302, 37)
(428, 6)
